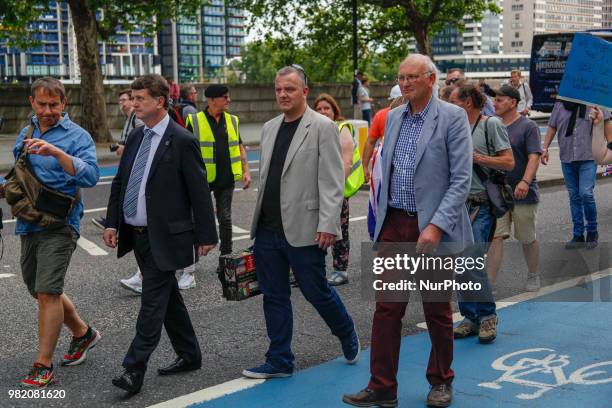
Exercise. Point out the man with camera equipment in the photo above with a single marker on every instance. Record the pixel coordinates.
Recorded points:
(62, 156)
(131, 122)
(492, 151)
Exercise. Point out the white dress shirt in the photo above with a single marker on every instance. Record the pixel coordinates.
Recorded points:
(140, 219)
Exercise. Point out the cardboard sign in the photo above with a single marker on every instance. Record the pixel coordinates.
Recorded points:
(588, 73)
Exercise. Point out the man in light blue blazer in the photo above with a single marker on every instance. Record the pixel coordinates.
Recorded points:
(427, 169)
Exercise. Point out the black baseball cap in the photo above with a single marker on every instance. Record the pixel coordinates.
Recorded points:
(509, 91)
(216, 91)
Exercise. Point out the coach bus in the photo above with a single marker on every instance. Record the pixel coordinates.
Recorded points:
(549, 53)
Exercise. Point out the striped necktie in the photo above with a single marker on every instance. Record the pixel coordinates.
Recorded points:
(130, 201)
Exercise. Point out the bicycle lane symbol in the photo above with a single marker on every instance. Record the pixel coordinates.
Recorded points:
(517, 368)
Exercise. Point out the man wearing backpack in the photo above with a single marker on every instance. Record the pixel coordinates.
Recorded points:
(225, 159)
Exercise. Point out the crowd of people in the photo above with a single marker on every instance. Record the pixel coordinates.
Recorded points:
(429, 158)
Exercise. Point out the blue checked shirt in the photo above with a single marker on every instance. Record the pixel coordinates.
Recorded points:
(75, 141)
(404, 156)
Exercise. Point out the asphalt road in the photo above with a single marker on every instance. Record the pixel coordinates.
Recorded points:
(232, 335)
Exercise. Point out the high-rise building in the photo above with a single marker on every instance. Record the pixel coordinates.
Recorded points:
(181, 49)
(502, 42)
(127, 55)
(51, 57)
(220, 30)
(524, 18)
(606, 18)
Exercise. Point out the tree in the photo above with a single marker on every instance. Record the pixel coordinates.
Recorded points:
(262, 58)
(382, 22)
(94, 20)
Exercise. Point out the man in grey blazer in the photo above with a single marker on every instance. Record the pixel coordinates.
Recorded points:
(427, 169)
(297, 217)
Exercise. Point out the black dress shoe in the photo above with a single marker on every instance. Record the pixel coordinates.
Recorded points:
(369, 398)
(179, 366)
(130, 380)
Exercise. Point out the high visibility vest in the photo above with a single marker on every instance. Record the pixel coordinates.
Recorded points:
(202, 130)
(356, 176)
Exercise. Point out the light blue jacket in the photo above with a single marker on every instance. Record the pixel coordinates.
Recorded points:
(442, 175)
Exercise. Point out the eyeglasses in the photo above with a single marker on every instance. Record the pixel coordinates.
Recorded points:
(301, 69)
(451, 81)
(411, 78)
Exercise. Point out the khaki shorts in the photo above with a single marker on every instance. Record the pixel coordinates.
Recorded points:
(45, 257)
(523, 217)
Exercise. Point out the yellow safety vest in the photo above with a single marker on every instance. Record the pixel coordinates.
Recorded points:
(202, 130)
(356, 176)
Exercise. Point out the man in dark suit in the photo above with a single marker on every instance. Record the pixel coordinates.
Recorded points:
(160, 207)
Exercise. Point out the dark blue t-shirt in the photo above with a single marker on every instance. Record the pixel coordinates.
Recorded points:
(524, 138)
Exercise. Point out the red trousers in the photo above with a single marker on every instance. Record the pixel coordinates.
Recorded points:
(387, 324)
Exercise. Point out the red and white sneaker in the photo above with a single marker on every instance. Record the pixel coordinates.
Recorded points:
(77, 352)
(39, 376)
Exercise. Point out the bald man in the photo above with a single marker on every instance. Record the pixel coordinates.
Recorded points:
(427, 168)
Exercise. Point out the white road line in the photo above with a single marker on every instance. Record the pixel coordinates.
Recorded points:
(107, 177)
(103, 183)
(364, 217)
(238, 230)
(253, 161)
(90, 247)
(241, 237)
(211, 393)
(6, 275)
(522, 297)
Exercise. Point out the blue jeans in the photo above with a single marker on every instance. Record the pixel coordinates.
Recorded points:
(482, 228)
(366, 115)
(580, 181)
(273, 257)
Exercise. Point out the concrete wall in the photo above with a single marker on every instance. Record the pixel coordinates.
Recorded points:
(252, 103)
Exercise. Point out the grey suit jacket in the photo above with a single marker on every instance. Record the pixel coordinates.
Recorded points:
(442, 175)
(312, 182)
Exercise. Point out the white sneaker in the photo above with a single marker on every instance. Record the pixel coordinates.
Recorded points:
(133, 283)
(533, 282)
(186, 281)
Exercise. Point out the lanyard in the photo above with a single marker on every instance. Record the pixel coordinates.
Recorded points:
(476, 124)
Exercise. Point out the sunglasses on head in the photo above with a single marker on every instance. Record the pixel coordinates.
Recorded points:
(451, 81)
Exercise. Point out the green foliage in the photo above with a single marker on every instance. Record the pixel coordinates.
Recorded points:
(261, 59)
(384, 25)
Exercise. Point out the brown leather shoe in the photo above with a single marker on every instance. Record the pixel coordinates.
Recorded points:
(466, 328)
(440, 395)
(369, 398)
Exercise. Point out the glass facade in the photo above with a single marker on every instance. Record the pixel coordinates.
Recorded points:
(124, 56)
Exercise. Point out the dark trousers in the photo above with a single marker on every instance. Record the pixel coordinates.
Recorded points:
(161, 304)
(387, 324)
(223, 204)
(273, 257)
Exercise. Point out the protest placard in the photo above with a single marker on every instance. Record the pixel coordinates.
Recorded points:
(588, 73)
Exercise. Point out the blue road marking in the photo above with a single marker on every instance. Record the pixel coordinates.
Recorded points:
(547, 354)
(108, 171)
